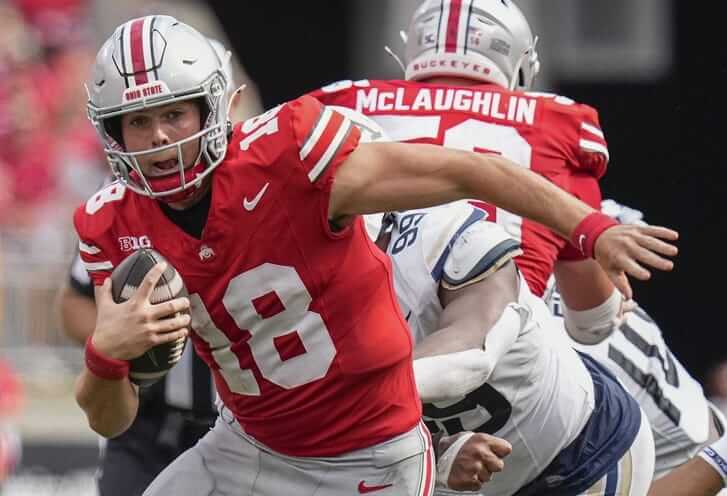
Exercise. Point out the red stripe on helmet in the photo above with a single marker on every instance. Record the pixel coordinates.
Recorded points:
(455, 8)
(137, 52)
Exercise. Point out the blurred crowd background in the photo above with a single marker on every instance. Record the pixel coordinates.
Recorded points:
(650, 67)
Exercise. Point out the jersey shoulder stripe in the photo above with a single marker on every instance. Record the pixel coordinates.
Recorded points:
(321, 133)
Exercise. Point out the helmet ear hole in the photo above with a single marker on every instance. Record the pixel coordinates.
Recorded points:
(521, 78)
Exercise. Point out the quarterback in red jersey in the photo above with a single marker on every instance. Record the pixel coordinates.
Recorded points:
(469, 66)
(292, 307)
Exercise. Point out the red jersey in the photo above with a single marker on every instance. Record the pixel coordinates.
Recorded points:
(299, 324)
(549, 134)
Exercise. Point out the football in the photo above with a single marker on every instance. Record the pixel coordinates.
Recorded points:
(125, 279)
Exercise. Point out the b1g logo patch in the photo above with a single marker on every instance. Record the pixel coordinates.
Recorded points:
(133, 243)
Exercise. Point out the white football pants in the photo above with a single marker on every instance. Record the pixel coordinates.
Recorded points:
(228, 462)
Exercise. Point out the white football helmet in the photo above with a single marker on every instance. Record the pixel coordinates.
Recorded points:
(484, 40)
(152, 61)
(226, 57)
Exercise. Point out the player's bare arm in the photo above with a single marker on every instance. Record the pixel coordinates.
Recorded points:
(125, 331)
(582, 283)
(469, 313)
(478, 325)
(592, 307)
(110, 405)
(394, 176)
(467, 460)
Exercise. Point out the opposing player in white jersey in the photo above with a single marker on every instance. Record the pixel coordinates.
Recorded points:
(487, 360)
(682, 420)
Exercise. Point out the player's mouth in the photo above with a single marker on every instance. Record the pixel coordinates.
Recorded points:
(164, 167)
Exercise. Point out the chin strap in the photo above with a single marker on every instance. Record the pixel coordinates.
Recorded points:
(172, 181)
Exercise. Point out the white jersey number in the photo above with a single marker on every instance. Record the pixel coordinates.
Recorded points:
(111, 193)
(477, 136)
(284, 316)
(471, 135)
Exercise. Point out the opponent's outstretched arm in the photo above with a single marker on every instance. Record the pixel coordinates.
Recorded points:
(379, 177)
(477, 326)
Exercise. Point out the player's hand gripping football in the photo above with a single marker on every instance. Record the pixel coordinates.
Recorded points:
(627, 248)
(126, 330)
(475, 460)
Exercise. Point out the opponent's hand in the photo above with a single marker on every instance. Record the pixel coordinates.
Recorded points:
(127, 330)
(627, 248)
(476, 461)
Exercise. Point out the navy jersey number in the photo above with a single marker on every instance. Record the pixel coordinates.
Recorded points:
(483, 404)
(409, 229)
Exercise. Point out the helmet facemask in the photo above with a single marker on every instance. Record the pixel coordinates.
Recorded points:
(213, 144)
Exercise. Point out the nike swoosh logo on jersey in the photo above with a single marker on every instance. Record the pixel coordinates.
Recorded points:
(251, 204)
(364, 489)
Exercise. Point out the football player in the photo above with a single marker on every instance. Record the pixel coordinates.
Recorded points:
(487, 359)
(682, 420)
(291, 305)
(175, 412)
(469, 67)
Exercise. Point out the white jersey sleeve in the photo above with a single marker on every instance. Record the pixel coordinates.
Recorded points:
(672, 399)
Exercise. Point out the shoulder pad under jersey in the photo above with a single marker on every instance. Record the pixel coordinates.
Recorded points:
(479, 251)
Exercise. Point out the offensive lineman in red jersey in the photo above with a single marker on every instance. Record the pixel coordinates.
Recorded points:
(292, 307)
(469, 66)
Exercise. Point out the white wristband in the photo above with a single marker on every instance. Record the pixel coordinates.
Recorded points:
(716, 455)
(592, 326)
(446, 459)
